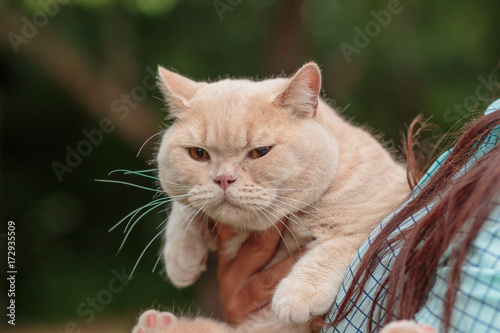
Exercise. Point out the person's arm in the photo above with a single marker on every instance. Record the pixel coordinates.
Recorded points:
(244, 285)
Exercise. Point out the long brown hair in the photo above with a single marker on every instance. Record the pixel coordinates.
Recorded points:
(462, 203)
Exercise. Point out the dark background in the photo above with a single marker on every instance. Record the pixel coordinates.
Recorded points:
(68, 67)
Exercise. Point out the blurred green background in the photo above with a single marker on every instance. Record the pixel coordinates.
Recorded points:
(77, 101)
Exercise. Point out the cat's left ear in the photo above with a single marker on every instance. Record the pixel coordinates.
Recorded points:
(302, 92)
(177, 90)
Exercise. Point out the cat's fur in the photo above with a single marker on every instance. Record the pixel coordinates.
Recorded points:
(153, 321)
(332, 180)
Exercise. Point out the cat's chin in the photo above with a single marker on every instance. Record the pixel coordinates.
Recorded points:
(239, 217)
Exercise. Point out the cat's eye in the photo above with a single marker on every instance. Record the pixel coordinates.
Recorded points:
(259, 152)
(198, 154)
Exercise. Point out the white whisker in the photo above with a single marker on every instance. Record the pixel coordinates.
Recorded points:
(306, 204)
(276, 227)
(141, 173)
(155, 203)
(293, 218)
(138, 172)
(156, 264)
(135, 222)
(272, 181)
(300, 189)
(190, 211)
(142, 254)
(127, 183)
(152, 136)
(258, 212)
(190, 221)
(135, 212)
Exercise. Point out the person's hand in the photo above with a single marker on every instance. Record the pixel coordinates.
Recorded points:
(244, 286)
(407, 326)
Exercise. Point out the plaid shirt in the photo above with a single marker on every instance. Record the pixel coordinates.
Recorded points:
(477, 306)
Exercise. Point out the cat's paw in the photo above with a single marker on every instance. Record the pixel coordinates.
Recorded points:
(153, 321)
(186, 246)
(296, 302)
(184, 267)
(407, 326)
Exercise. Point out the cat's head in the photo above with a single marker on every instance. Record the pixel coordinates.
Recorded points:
(246, 153)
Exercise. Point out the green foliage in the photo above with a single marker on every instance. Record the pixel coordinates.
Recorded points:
(146, 7)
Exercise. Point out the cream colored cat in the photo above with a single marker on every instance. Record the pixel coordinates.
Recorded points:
(250, 154)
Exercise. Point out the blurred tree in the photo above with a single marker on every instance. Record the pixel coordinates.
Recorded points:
(95, 90)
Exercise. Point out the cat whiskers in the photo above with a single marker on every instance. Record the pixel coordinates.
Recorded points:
(138, 214)
(129, 184)
(302, 189)
(130, 225)
(298, 201)
(161, 231)
(257, 212)
(192, 218)
(291, 216)
(142, 173)
(276, 227)
(149, 139)
(298, 209)
(155, 203)
(302, 210)
(217, 218)
(144, 251)
(132, 215)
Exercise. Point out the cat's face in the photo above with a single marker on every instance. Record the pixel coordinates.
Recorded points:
(245, 153)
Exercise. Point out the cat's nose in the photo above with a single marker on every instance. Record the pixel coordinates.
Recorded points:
(224, 181)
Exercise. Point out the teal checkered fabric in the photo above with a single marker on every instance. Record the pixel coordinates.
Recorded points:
(477, 306)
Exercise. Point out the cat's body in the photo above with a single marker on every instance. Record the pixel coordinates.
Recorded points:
(252, 154)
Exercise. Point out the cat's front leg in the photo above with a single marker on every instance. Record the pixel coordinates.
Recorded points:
(314, 281)
(186, 248)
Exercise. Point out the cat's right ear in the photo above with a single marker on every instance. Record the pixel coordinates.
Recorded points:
(177, 90)
(301, 94)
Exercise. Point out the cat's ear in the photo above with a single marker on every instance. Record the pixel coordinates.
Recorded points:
(302, 92)
(177, 90)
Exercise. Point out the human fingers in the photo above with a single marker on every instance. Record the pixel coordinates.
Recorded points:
(258, 250)
(253, 255)
(223, 234)
(407, 326)
(236, 274)
(259, 290)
